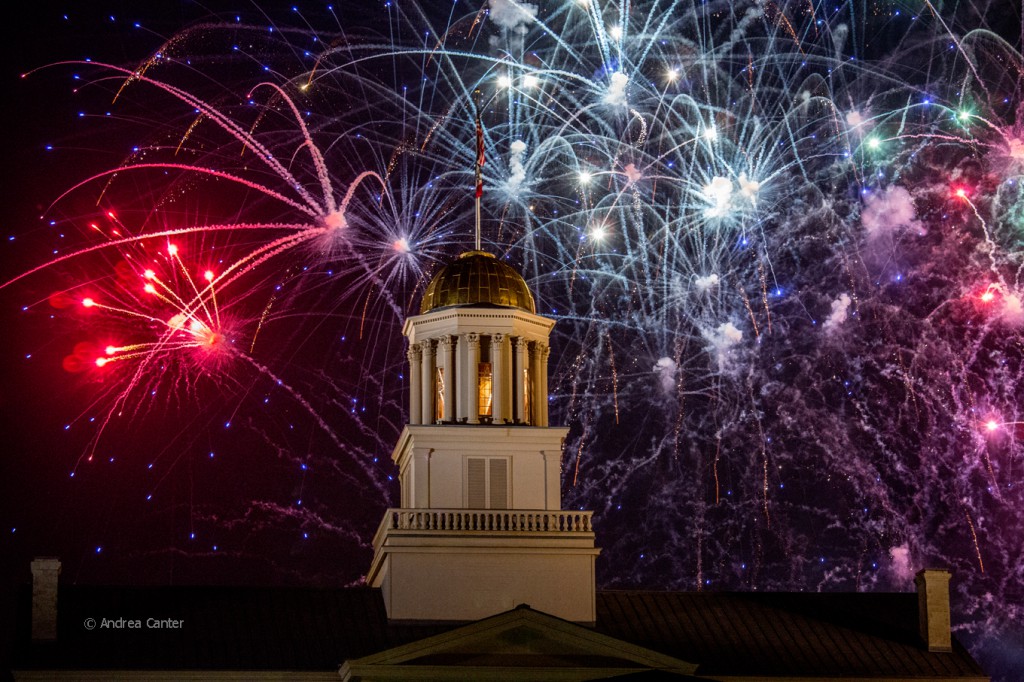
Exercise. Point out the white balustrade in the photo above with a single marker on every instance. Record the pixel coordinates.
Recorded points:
(488, 520)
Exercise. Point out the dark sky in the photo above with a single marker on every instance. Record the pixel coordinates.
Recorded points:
(41, 511)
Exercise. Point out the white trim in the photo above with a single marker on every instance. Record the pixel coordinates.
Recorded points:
(173, 675)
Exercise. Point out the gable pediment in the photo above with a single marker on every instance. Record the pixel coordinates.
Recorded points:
(533, 644)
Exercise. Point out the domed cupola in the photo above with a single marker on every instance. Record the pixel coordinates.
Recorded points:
(478, 349)
(478, 463)
(477, 278)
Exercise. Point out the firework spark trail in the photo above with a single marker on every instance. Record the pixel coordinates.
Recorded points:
(212, 172)
(300, 399)
(236, 131)
(991, 249)
(307, 142)
(129, 241)
(974, 539)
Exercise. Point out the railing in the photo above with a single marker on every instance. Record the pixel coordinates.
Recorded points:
(489, 520)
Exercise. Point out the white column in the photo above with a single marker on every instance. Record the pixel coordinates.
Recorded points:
(415, 385)
(459, 385)
(552, 478)
(427, 381)
(536, 396)
(498, 378)
(473, 377)
(545, 352)
(510, 382)
(445, 362)
(420, 494)
(518, 385)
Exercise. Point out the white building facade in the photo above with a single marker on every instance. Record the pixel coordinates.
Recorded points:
(481, 529)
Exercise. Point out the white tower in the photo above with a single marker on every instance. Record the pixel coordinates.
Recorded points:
(481, 529)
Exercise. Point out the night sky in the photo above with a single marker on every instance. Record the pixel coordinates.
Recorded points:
(783, 248)
(108, 535)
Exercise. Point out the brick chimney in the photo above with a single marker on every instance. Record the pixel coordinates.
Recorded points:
(44, 598)
(933, 608)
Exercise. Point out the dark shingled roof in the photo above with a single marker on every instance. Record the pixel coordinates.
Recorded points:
(782, 633)
(728, 634)
(225, 628)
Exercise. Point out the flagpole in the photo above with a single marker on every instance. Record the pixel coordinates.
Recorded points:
(479, 162)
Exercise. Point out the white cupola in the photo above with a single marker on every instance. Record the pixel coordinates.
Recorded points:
(481, 529)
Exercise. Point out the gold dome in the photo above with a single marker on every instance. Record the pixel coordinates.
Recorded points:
(477, 278)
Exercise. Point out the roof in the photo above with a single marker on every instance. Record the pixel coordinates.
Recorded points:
(533, 644)
(858, 634)
(221, 629)
(726, 634)
(477, 278)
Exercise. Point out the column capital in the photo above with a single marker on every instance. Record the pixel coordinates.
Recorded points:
(521, 343)
(425, 346)
(413, 352)
(473, 339)
(446, 341)
(422, 452)
(498, 338)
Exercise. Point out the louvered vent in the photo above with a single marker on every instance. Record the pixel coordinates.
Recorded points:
(477, 475)
(498, 484)
(487, 483)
